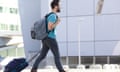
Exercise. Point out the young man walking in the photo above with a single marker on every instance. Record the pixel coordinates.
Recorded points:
(50, 42)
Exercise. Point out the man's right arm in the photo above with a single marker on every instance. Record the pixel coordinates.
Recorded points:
(52, 25)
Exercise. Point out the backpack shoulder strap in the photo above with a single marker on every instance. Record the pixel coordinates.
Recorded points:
(49, 14)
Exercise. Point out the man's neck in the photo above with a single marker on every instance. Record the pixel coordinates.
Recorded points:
(54, 11)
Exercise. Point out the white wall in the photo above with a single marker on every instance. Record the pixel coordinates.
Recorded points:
(99, 34)
(29, 12)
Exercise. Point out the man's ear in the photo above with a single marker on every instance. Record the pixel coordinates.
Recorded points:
(56, 7)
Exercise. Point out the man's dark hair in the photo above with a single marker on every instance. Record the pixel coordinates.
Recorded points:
(56, 0)
(54, 3)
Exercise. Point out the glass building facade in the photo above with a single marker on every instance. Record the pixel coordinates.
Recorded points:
(9, 16)
(9, 26)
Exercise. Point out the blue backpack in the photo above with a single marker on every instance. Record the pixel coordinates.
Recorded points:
(39, 29)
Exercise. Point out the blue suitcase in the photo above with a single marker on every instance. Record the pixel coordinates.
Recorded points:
(17, 65)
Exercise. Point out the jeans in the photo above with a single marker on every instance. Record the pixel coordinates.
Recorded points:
(49, 43)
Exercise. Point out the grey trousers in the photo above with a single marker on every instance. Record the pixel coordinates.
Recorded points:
(49, 43)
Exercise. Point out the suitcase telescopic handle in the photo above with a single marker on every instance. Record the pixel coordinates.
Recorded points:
(33, 57)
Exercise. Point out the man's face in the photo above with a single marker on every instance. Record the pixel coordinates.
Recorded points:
(57, 8)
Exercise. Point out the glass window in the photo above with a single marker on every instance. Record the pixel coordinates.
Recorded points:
(12, 27)
(16, 10)
(1, 9)
(13, 10)
(6, 10)
(3, 53)
(6, 27)
(17, 27)
(1, 26)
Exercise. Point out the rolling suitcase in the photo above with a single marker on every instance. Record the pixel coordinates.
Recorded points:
(17, 65)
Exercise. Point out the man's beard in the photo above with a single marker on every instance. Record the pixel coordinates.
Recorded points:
(58, 11)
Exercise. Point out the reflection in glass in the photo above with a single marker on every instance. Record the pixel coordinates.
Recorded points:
(100, 6)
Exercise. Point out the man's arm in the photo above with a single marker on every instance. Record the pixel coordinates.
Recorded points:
(52, 25)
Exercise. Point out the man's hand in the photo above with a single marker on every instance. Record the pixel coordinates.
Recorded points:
(58, 21)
